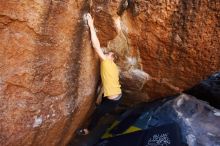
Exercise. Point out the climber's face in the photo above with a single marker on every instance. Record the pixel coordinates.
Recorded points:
(110, 55)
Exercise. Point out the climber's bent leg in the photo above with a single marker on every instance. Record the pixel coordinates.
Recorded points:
(107, 106)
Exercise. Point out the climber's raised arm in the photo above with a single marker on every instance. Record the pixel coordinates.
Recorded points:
(94, 38)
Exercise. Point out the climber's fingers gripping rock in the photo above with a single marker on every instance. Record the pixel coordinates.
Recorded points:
(89, 18)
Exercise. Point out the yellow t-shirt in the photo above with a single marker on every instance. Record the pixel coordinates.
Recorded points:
(110, 78)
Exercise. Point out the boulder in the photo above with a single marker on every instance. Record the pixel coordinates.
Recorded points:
(49, 72)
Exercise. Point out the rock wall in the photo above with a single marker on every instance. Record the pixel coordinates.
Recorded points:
(49, 72)
(174, 42)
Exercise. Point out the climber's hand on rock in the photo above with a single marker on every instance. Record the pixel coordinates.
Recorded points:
(89, 19)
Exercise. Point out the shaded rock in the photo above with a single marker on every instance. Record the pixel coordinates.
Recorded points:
(136, 78)
(208, 90)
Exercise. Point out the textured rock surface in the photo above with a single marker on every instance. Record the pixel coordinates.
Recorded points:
(48, 72)
(176, 42)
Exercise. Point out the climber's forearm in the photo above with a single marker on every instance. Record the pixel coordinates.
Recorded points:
(95, 42)
(94, 38)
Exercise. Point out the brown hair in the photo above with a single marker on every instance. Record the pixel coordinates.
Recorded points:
(115, 55)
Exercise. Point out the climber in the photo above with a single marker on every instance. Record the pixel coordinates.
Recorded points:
(110, 81)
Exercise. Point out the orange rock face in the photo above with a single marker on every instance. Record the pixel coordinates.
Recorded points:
(49, 72)
(176, 43)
